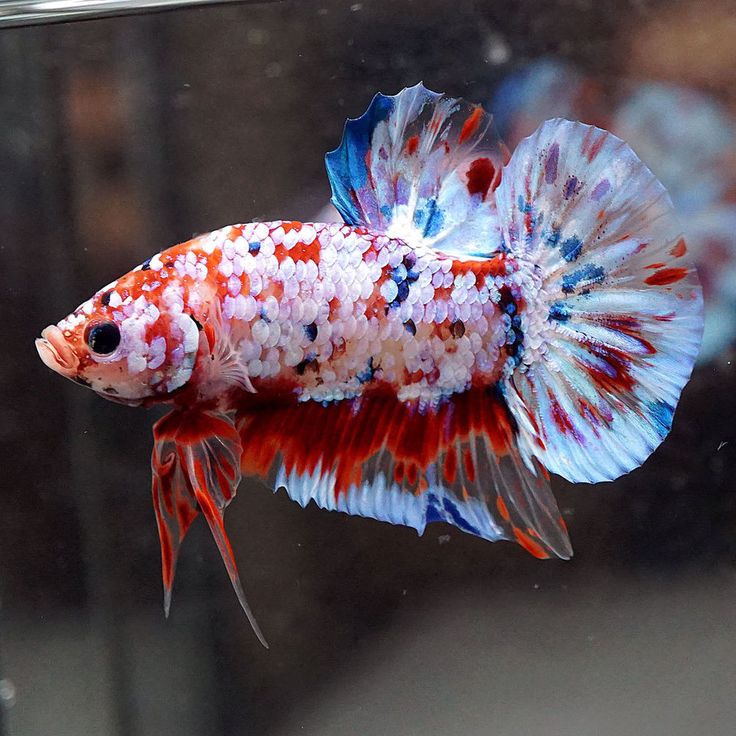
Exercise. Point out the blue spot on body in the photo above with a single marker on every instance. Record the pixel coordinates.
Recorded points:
(432, 512)
(456, 518)
(553, 236)
(662, 414)
(310, 331)
(429, 218)
(399, 273)
(572, 186)
(550, 165)
(445, 510)
(559, 311)
(600, 189)
(254, 247)
(368, 374)
(434, 219)
(571, 248)
(587, 275)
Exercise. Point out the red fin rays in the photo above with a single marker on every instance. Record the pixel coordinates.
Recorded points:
(174, 508)
(196, 467)
(215, 522)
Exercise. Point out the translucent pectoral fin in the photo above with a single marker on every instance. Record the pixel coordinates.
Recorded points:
(196, 467)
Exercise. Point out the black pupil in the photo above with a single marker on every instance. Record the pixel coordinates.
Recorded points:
(103, 338)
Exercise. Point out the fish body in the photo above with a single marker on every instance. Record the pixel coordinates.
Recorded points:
(325, 310)
(478, 320)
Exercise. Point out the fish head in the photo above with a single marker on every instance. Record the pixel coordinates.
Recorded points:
(133, 341)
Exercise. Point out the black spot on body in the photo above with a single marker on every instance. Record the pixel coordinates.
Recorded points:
(410, 327)
(310, 331)
(369, 373)
(146, 265)
(309, 363)
(457, 328)
(514, 343)
(105, 298)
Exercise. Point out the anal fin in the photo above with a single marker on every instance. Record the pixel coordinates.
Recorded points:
(398, 462)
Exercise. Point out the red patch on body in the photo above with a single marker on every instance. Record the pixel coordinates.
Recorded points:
(495, 266)
(299, 252)
(560, 416)
(590, 146)
(471, 124)
(666, 276)
(411, 145)
(502, 509)
(679, 249)
(617, 379)
(481, 174)
(529, 544)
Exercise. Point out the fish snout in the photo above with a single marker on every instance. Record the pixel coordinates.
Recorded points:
(56, 353)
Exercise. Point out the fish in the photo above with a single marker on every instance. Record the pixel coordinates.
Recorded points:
(480, 319)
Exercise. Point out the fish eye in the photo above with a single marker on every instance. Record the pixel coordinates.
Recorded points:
(103, 337)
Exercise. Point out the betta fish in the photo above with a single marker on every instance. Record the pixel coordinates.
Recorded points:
(480, 320)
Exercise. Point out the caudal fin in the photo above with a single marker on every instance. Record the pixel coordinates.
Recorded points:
(614, 313)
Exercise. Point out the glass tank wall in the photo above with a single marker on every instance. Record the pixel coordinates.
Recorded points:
(122, 135)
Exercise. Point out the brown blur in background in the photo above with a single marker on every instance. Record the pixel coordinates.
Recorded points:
(124, 135)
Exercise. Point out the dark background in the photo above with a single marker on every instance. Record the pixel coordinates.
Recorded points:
(124, 135)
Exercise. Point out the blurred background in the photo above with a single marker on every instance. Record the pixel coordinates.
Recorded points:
(120, 136)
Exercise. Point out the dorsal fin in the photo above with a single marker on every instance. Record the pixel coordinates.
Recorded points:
(421, 166)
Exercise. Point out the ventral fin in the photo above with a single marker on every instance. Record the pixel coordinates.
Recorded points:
(421, 166)
(196, 467)
(397, 462)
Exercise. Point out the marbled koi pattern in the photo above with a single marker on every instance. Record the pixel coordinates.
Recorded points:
(479, 319)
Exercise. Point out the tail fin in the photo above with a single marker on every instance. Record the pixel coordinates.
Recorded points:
(614, 309)
(421, 166)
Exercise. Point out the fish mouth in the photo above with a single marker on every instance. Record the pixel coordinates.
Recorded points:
(56, 353)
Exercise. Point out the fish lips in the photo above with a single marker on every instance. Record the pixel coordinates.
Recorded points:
(56, 353)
